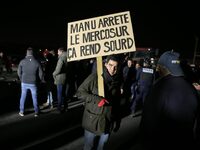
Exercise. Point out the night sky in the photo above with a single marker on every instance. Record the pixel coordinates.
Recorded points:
(165, 25)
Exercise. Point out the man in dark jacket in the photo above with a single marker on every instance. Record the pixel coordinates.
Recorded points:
(144, 80)
(30, 73)
(171, 108)
(101, 114)
(129, 76)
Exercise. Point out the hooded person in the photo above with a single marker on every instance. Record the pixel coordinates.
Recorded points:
(171, 108)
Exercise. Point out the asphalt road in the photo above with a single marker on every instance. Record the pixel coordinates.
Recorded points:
(51, 130)
(29, 132)
(125, 139)
(55, 131)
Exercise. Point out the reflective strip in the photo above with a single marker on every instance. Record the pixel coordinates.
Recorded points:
(147, 70)
(175, 62)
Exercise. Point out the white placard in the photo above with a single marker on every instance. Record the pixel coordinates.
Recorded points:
(100, 36)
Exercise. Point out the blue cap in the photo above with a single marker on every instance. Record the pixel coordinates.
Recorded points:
(171, 61)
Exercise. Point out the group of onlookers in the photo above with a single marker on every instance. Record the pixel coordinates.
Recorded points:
(31, 73)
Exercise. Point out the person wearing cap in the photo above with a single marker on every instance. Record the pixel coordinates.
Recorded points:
(30, 74)
(101, 114)
(171, 108)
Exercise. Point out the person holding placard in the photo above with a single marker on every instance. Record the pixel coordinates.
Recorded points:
(101, 114)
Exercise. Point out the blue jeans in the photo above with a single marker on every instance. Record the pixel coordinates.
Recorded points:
(50, 98)
(60, 95)
(89, 139)
(24, 89)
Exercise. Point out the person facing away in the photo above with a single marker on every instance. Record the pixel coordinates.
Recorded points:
(30, 74)
(144, 80)
(171, 108)
(60, 77)
(51, 61)
(101, 114)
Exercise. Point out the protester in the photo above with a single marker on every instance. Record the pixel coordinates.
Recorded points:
(30, 73)
(50, 66)
(171, 108)
(101, 114)
(129, 77)
(60, 78)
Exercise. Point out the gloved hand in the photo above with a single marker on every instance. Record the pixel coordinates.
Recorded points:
(102, 102)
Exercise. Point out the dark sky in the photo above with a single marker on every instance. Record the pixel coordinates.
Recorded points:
(164, 25)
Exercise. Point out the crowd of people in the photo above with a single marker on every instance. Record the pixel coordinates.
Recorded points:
(166, 94)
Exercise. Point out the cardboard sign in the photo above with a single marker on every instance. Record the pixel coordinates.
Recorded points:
(100, 36)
